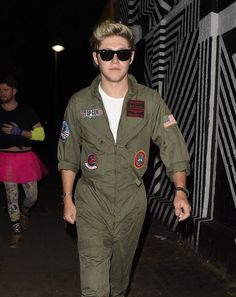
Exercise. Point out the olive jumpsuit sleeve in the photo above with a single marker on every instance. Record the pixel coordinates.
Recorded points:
(70, 139)
(168, 137)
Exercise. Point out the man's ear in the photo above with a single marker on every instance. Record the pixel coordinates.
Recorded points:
(14, 91)
(132, 57)
(95, 58)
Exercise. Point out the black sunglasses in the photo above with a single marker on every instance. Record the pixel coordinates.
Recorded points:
(108, 54)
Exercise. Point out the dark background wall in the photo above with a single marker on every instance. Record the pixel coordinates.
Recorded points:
(28, 30)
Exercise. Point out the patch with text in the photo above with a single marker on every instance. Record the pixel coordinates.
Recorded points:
(135, 108)
(91, 113)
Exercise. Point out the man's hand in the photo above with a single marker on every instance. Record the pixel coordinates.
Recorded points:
(69, 211)
(12, 129)
(182, 206)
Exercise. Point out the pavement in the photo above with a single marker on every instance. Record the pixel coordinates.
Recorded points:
(46, 263)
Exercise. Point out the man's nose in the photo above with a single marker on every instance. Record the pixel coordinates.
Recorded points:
(115, 58)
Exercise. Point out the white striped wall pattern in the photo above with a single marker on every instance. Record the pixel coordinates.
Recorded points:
(187, 61)
(226, 136)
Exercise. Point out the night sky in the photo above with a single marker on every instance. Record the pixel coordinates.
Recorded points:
(28, 31)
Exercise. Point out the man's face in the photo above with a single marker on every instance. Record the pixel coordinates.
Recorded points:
(7, 93)
(114, 70)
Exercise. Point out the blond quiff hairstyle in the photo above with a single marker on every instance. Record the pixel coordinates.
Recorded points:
(109, 28)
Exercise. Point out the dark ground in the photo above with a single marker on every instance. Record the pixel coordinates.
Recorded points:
(46, 264)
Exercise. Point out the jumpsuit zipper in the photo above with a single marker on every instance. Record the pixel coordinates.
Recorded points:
(115, 190)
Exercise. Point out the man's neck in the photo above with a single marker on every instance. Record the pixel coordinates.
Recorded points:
(115, 89)
(8, 106)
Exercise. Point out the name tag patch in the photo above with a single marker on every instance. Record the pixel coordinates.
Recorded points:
(135, 108)
(91, 113)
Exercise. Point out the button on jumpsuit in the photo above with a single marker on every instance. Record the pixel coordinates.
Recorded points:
(110, 195)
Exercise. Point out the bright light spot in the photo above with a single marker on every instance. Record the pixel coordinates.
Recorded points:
(58, 48)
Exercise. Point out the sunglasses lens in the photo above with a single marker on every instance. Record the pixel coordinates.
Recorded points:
(124, 55)
(107, 55)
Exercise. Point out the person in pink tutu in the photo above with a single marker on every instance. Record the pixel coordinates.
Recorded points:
(19, 127)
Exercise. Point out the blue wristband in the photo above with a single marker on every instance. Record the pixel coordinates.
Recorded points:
(16, 131)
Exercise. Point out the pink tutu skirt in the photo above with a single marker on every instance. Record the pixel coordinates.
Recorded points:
(21, 167)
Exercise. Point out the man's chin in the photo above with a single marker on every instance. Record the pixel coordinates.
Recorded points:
(4, 100)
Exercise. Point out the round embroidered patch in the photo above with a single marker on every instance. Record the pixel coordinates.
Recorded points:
(91, 162)
(65, 131)
(139, 159)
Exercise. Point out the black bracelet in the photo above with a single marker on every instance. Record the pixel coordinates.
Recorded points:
(182, 189)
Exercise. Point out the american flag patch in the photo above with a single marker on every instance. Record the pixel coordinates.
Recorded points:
(65, 131)
(169, 121)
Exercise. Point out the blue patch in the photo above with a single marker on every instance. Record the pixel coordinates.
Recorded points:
(65, 131)
(139, 159)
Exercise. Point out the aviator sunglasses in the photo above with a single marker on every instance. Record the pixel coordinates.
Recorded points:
(108, 54)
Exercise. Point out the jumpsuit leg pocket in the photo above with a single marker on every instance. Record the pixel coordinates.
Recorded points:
(94, 254)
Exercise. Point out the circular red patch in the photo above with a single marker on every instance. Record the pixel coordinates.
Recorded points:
(139, 159)
(91, 162)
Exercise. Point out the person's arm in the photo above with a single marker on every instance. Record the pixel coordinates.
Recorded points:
(181, 204)
(68, 178)
(68, 154)
(37, 132)
(173, 153)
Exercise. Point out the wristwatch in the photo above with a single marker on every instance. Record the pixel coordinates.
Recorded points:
(67, 194)
(182, 189)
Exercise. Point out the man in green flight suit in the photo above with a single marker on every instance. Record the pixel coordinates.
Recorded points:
(106, 133)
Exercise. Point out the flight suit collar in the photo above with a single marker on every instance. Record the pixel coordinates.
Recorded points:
(131, 88)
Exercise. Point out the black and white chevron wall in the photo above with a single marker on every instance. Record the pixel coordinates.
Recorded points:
(226, 136)
(190, 59)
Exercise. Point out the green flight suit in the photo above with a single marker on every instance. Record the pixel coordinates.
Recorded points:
(110, 196)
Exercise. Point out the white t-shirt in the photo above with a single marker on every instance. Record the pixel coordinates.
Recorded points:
(113, 107)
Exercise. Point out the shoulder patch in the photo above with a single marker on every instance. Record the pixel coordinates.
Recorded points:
(169, 121)
(65, 131)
